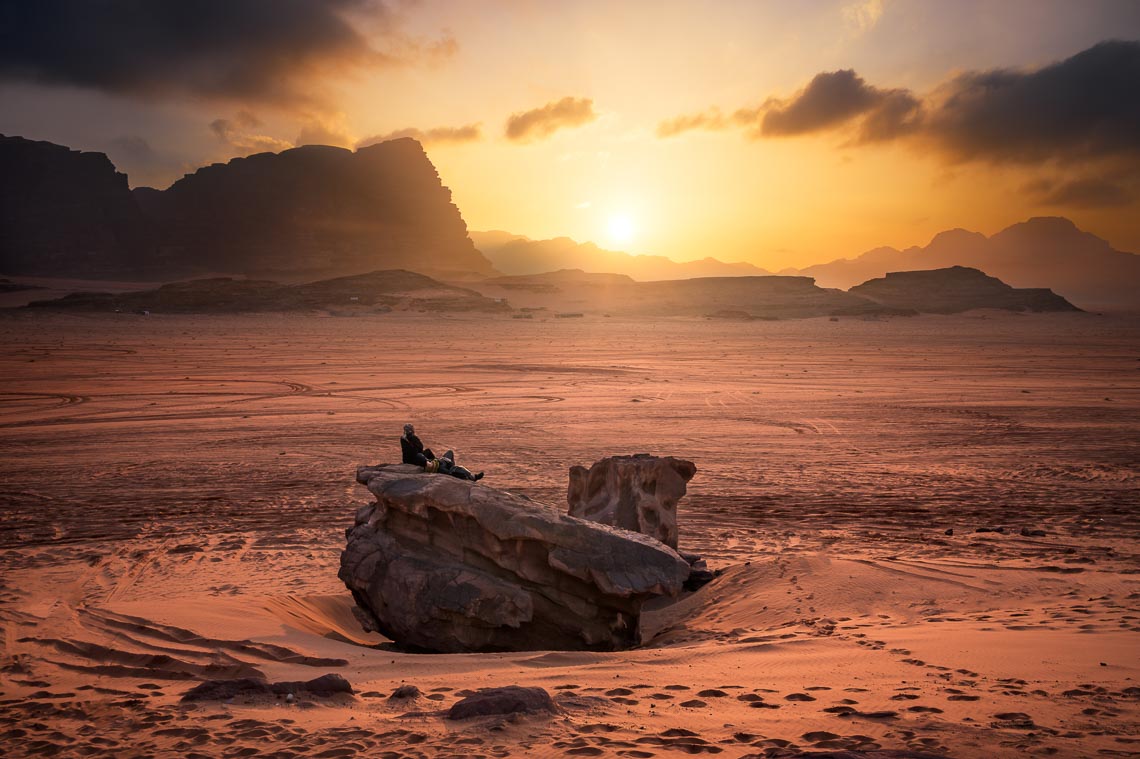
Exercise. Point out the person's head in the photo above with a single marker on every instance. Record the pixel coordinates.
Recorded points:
(409, 429)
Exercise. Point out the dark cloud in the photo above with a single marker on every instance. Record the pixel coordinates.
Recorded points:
(436, 135)
(1093, 192)
(830, 99)
(542, 122)
(258, 51)
(1085, 106)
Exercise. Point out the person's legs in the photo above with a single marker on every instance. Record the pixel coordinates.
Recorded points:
(450, 455)
(463, 473)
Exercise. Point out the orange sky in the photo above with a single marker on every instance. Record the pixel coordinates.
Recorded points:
(546, 119)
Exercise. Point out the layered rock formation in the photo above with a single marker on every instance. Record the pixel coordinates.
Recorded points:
(957, 289)
(442, 564)
(316, 210)
(378, 291)
(66, 213)
(637, 493)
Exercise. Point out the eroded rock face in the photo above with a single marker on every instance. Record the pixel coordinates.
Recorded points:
(446, 565)
(638, 493)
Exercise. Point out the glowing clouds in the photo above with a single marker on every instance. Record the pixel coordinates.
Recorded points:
(540, 123)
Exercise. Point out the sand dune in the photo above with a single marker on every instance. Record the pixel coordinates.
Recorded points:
(176, 491)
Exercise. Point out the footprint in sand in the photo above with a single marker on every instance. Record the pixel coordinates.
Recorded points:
(799, 697)
(694, 704)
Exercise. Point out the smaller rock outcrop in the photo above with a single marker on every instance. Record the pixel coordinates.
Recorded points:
(221, 690)
(511, 699)
(443, 564)
(956, 289)
(637, 493)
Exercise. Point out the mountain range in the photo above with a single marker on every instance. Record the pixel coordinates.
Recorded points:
(517, 255)
(1042, 252)
(319, 211)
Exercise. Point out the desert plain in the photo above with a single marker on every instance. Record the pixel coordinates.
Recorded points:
(926, 529)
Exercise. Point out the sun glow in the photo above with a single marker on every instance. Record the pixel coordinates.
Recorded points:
(622, 229)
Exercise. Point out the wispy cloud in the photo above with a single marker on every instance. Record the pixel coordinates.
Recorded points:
(540, 123)
(433, 136)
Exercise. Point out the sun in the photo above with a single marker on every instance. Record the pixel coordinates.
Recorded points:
(622, 229)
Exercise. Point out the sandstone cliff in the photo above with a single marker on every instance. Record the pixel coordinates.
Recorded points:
(305, 213)
(315, 211)
(66, 213)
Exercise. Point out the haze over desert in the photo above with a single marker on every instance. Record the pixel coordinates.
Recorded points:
(441, 379)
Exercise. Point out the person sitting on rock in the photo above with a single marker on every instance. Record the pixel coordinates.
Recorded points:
(414, 453)
(413, 449)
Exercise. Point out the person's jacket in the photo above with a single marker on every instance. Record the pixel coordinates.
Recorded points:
(412, 450)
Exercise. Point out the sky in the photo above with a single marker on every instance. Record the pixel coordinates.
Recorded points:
(778, 133)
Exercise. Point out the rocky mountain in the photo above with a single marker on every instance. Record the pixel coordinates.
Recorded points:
(313, 211)
(956, 289)
(375, 292)
(66, 213)
(521, 256)
(1043, 252)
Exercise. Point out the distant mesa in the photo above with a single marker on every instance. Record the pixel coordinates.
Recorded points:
(768, 297)
(517, 255)
(309, 212)
(1041, 252)
(378, 291)
(956, 289)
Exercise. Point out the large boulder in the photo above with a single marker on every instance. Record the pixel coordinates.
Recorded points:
(442, 564)
(638, 493)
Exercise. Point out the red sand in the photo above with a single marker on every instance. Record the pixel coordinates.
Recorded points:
(176, 489)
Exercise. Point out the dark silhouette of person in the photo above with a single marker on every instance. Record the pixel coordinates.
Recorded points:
(413, 452)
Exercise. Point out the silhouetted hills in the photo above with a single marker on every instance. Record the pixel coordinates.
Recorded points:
(377, 291)
(66, 213)
(306, 212)
(1041, 252)
(520, 256)
(956, 289)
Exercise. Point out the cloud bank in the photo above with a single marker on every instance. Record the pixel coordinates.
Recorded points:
(253, 51)
(540, 123)
(1082, 107)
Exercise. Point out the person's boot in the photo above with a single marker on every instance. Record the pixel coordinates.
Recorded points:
(478, 476)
